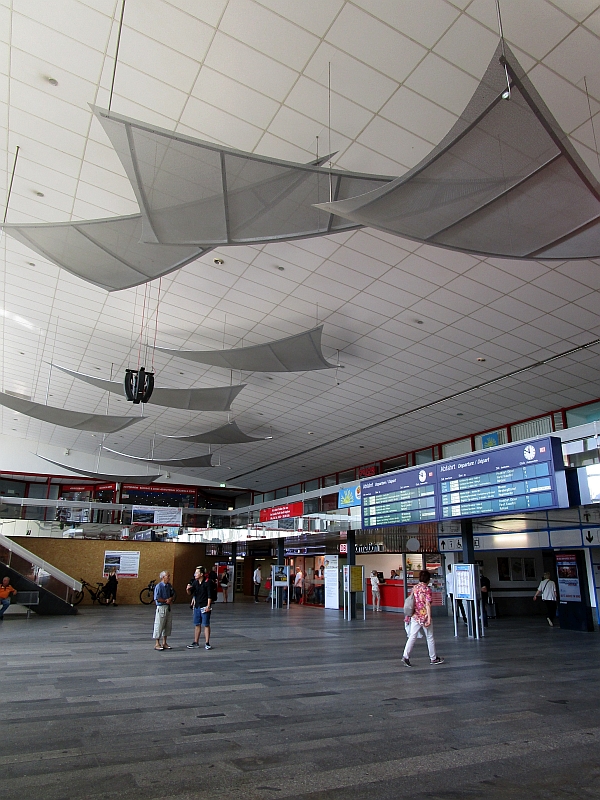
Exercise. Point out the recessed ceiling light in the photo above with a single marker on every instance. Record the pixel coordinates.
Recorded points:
(459, 414)
(93, 435)
(481, 359)
(31, 263)
(21, 353)
(52, 81)
(182, 373)
(310, 433)
(218, 261)
(268, 437)
(361, 447)
(259, 414)
(419, 321)
(281, 269)
(39, 194)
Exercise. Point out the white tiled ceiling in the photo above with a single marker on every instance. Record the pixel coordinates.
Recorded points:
(409, 321)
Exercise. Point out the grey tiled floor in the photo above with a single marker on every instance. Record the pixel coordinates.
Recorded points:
(294, 704)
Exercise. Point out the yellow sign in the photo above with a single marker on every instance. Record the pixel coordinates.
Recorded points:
(356, 579)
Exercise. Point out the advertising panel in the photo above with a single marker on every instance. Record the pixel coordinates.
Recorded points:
(568, 578)
(282, 512)
(126, 562)
(332, 585)
(280, 575)
(156, 515)
(349, 497)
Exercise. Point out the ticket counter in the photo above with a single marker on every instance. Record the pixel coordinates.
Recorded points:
(392, 595)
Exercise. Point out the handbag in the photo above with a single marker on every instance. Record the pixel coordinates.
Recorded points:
(409, 605)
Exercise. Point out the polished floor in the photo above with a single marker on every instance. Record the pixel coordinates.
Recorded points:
(294, 704)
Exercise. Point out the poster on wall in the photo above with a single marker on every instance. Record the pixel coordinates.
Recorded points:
(156, 515)
(568, 578)
(332, 584)
(126, 562)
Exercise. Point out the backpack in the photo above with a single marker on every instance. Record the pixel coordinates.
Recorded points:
(409, 605)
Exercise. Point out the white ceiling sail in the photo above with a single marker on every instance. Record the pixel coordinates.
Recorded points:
(225, 434)
(299, 353)
(214, 398)
(199, 193)
(77, 420)
(109, 477)
(193, 461)
(505, 181)
(106, 252)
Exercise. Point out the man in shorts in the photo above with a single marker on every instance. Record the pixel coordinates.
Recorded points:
(163, 597)
(204, 594)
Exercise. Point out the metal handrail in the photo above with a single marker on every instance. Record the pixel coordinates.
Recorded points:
(61, 576)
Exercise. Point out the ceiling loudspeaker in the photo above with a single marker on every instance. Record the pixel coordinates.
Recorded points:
(138, 385)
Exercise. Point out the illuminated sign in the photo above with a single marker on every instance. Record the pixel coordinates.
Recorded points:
(282, 512)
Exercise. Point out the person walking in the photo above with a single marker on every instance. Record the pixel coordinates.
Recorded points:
(225, 584)
(375, 591)
(257, 578)
(163, 622)
(547, 589)
(421, 620)
(450, 592)
(298, 585)
(204, 594)
(486, 588)
(5, 592)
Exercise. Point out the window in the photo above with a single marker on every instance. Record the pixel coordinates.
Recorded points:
(268, 496)
(527, 430)
(258, 498)
(516, 569)
(311, 486)
(392, 464)
(329, 480)
(311, 506)
(347, 476)
(424, 456)
(503, 569)
(296, 489)
(583, 414)
(456, 448)
(281, 493)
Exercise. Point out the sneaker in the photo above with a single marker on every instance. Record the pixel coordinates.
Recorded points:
(208, 646)
(192, 645)
(437, 660)
(406, 662)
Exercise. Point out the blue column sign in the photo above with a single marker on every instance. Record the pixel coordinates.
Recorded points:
(526, 476)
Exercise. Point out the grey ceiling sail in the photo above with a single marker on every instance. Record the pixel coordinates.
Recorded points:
(213, 398)
(225, 434)
(299, 353)
(77, 420)
(193, 461)
(198, 193)
(106, 476)
(106, 252)
(505, 181)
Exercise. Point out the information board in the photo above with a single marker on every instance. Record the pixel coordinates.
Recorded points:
(526, 476)
(569, 590)
(126, 563)
(400, 498)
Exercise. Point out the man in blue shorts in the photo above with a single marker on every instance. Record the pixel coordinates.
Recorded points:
(204, 594)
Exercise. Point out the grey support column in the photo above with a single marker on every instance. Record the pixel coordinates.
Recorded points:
(351, 545)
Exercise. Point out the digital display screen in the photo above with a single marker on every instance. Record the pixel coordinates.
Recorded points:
(526, 476)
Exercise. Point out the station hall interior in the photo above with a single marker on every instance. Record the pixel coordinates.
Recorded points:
(310, 288)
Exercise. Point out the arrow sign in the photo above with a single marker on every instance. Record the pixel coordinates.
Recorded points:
(589, 536)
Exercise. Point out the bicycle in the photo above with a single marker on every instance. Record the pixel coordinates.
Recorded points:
(147, 594)
(98, 595)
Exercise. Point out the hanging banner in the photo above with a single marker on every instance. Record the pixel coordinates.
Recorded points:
(349, 497)
(156, 515)
(126, 563)
(282, 512)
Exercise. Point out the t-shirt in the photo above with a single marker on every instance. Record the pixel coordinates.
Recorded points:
(257, 576)
(422, 594)
(450, 582)
(6, 591)
(162, 592)
(548, 589)
(375, 584)
(298, 581)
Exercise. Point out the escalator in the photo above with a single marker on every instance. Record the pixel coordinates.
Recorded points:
(29, 573)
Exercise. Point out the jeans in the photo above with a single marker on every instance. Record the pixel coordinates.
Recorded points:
(415, 627)
(5, 604)
(256, 591)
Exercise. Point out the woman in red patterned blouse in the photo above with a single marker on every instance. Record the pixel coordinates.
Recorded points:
(421, 620)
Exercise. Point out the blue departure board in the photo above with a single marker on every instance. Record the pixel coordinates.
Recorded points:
(528, 476)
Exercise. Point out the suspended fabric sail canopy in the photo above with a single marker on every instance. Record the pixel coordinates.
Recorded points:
(109, 477)
(215, 398)
(198, 193)
(193, 461)
(106, 252)
(505, 181)
(77, 420)
(299, 353)
(225, 434)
